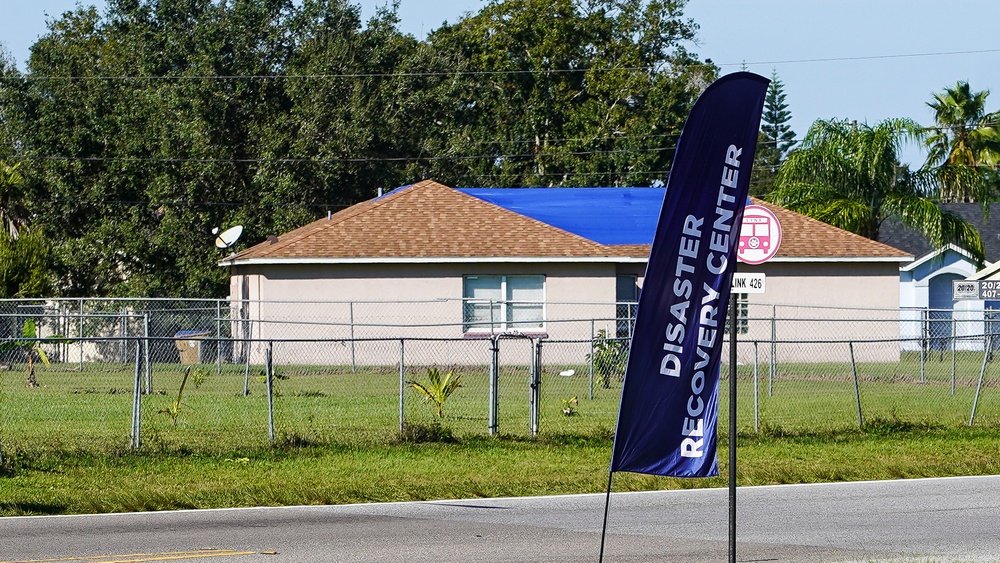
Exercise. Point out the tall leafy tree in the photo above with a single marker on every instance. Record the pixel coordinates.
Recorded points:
(14, 213)
(964, 145)
(565, 92)
(172, 117)
(140, 130)
(25, 265)
(848, 174)
(358, 106)
(163, 150)
(776, 138)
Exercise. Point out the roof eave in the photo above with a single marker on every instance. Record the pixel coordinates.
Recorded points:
(527, 259)
(436, 260)
(842, 259)
(935, 253)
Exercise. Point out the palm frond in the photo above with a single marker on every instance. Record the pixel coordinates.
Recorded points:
(437, 388)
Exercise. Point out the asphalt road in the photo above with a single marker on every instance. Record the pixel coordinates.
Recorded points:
(956, 519)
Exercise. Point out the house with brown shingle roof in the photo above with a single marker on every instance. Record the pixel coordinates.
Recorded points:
(453, 263)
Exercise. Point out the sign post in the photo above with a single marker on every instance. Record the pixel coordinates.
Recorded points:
(760, 237)
(977, 290)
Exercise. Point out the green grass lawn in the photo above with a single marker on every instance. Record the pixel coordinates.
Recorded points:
(91, 410)
(66, 445)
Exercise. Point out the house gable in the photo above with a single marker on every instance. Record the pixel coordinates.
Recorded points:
(425, 220)
(948, 259)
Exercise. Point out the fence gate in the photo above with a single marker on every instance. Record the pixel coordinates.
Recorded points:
(514, 384)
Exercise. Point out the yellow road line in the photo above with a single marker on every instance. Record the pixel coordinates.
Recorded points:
(141, 557)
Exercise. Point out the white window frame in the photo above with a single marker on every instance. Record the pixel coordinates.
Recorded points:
(506, 306)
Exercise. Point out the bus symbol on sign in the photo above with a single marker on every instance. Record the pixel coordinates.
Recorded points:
(756, 233)
(760, 235)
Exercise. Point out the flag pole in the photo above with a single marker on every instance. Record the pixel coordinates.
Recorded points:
(604, 527)
(733, 311)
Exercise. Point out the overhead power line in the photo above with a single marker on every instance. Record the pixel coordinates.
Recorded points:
(350, 75)
(342, 160)
(864, 57)
(427, 158)
(453, 73)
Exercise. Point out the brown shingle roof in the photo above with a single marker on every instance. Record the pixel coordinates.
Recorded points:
(430, 220)
(805, 237)
(423, 220)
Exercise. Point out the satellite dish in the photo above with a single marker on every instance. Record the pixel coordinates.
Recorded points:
(228, 237)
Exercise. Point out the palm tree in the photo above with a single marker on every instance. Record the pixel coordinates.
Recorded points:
(438, 388)
(31, 346)
(964, 145)
(848, 175)
(12, 213)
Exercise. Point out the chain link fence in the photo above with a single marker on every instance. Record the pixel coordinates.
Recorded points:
(194, 376)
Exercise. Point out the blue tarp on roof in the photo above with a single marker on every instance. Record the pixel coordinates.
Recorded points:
(604, 215)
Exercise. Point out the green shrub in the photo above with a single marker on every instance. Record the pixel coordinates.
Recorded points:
(609, 358)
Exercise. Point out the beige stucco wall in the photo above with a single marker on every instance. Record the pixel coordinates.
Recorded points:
(350, 302)
(814, 309)
(804, 303)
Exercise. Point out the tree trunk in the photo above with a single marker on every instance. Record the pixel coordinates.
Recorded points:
(31, 373)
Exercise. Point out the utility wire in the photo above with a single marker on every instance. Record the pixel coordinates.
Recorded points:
(344, 160)
(551, 144)
(865, 57)
(480, 73)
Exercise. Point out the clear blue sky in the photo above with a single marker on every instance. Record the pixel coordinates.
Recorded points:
(852, 59)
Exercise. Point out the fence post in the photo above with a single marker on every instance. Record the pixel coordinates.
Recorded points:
(954, 342)
(145, 348)
(269, 378)
(857, 386)
(218, 337)
(493, 422)
(123, 326)
(924, 335)
(354, 366)
(81, 335)
(534, 394)
(246, 372)
(987, 343)
(402, 381)
(136, 403)
(756, 394)
(774, 350)
(591, 361)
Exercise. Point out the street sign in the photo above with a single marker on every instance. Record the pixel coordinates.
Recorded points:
(980, 290)
(760, 235)
(747, 283)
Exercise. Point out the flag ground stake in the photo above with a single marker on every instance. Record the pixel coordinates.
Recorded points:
(732, 427)
(604, 528)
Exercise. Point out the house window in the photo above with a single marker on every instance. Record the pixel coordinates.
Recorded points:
(626, 300)
(742, 313)
(495, 304)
